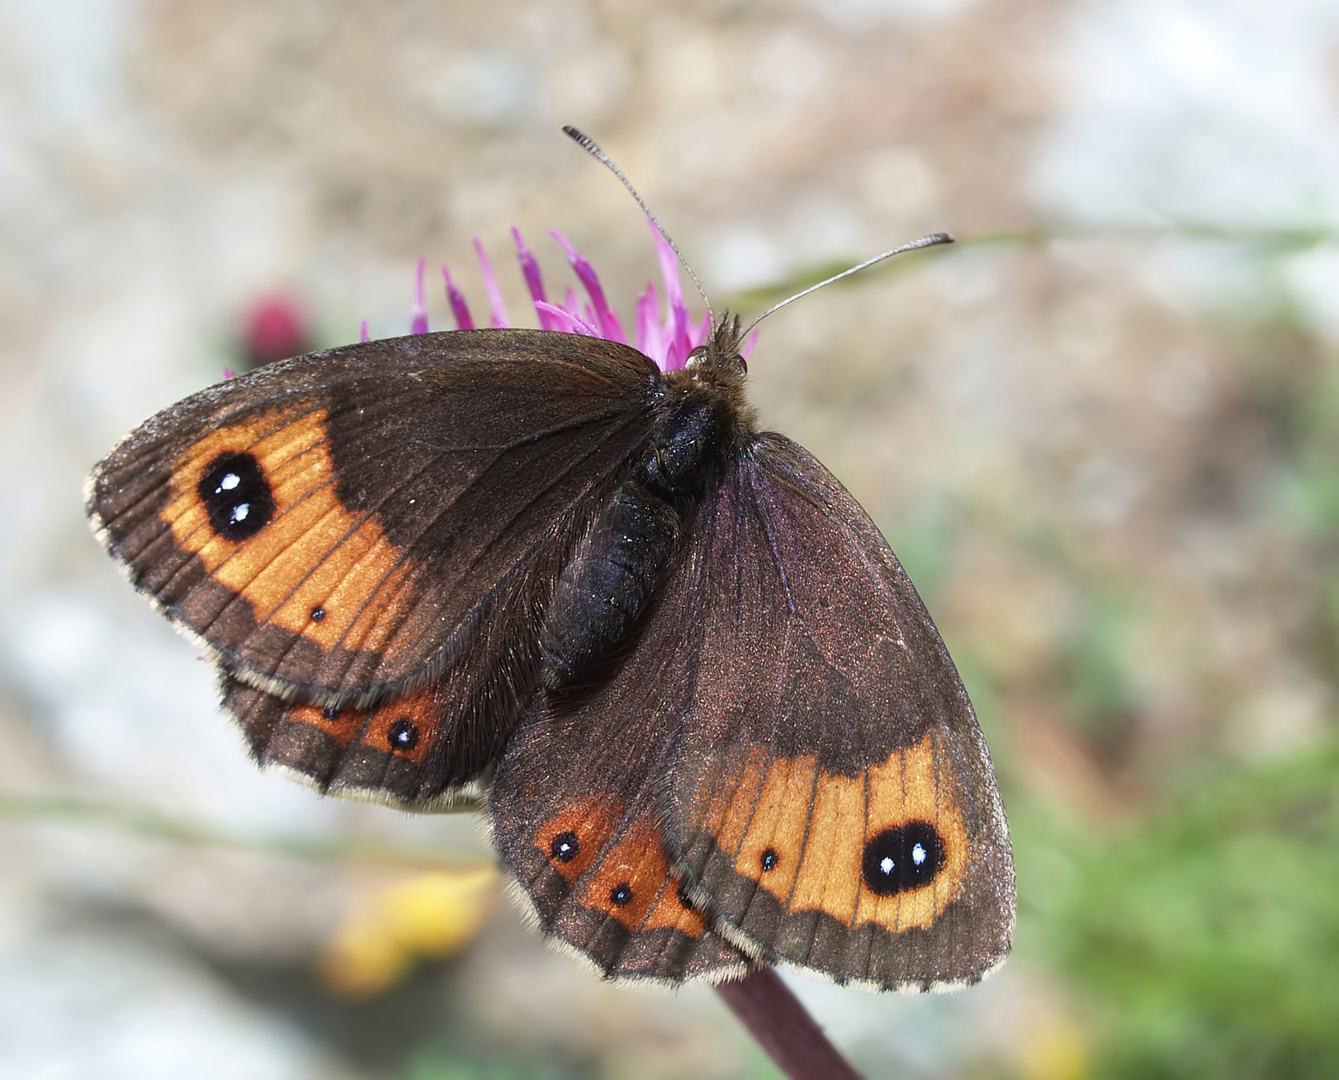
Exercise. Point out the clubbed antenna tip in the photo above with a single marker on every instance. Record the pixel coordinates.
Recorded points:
(589, 145)
(581, 139)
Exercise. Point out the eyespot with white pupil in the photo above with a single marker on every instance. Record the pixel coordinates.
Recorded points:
(564, 847)
(403, 734)
(236, 496)
(621, 894)
(902, 858)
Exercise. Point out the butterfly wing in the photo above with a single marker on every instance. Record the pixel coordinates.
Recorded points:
(832, 794)
(781, 738)
(419, 750)
(406, 752)
(576, 806)
(344, 527)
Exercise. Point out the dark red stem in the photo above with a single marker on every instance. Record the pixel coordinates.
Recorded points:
(783, 1027)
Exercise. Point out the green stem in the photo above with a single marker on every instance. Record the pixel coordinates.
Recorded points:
(15, 804)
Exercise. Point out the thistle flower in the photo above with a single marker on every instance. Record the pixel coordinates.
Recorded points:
(666, 334)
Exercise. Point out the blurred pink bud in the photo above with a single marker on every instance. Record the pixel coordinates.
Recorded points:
(275, 329)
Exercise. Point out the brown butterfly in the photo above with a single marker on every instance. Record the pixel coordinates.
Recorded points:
(716, 724)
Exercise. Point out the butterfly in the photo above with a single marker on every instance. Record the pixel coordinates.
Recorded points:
(715, 724)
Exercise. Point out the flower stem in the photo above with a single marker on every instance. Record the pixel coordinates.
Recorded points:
(783, 1027)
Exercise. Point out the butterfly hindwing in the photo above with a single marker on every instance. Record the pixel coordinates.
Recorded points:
(832, 793)
(575, 810)
(400, 752)
(790, 722)
(461, 719)
(335, 528)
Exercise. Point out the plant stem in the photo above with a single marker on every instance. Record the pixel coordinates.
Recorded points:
(783, 1027)
(41, 806)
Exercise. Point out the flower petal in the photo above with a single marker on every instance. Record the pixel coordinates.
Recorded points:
(534, 281)
(459, 308)
(571, 323)
(650, 340)
(669, 266)
(419, 323)
(490, 285)
(604, 315)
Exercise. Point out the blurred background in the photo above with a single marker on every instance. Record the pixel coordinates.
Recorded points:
(1102, 433)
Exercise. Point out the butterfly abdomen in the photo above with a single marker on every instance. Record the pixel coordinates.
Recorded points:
(604, 589)
(606, 586)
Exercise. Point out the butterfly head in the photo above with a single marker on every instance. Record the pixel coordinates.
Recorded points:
(720, 359)
(713, 376)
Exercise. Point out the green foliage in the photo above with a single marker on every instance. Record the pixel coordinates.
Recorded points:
(1095, 679)
(1206, 940)
(925, 538)
(442, 1061)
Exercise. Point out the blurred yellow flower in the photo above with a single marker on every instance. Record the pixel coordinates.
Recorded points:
(428, 916)
(1056, 1051)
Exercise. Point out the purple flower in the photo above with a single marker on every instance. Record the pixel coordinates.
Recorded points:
(667, 336)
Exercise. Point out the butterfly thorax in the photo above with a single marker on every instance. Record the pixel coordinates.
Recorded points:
(717, 371)
(605, 589)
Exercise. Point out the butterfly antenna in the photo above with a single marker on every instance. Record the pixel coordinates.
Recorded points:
(588, 144)
(932, 240)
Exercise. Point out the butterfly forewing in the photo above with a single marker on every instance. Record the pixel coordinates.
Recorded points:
(425, 747)
(831, 792)
(333, 527)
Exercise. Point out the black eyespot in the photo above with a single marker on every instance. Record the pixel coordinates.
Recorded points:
(318, 613)
(330, 712)
(236, 496)
(621, 895)
(564, 847)
(903, 858)
(769, 859)
(402, 734)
